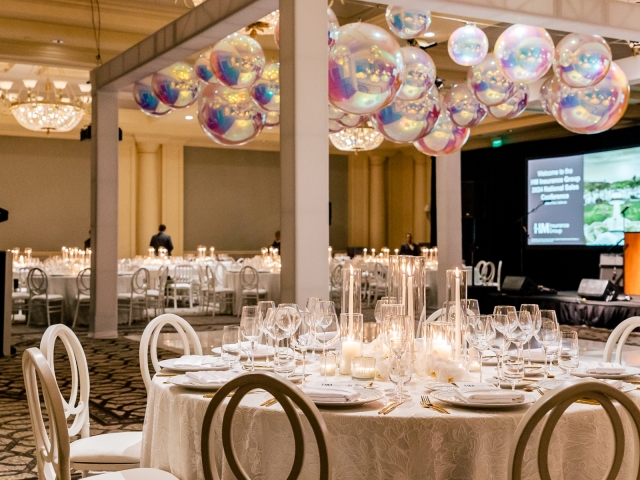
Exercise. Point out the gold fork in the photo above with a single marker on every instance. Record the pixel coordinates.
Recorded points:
(425, 402)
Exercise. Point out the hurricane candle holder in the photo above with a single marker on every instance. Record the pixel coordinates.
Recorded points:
(352, 335)
(456, 301)
(351, 290)
(363, 369)
(407, 283)
(328, 364)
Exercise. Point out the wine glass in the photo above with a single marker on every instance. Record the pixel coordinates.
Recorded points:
(303, 337)
(534, 311)
(513, 368)
(400, 368)
(397, 334)
(230, 349)
(286, 319)
(312, 305)
(250, 330)
(379, 303)
(266, 309)
(480, 333)
(473, 307)
(568, 351)
(327, 320)
(548, 333)
(498, 345)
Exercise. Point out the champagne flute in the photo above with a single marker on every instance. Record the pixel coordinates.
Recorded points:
(547, 334)
(397, 334)
(480, 334)
(230, 350)
(534, 311)
(568, 351)
(303, 337)
(250, 330)
(266, 309)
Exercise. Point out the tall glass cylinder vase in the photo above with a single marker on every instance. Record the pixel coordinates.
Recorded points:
(456, 312)
(407, 281)
(351, 338)
(351, 290)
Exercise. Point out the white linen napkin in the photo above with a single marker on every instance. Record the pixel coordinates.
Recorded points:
(482, 393)
(211, 378)
(614, 383)
(333, 394)
(260, 351)
(605, 368)
(195, 361)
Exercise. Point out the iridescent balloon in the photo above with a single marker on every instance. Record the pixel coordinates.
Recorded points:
(176, 86)
(488, 83)
(445, 137)
(333, 27)
(203, 68)
(547, 98)
(408, 22)
(147, 101)
(592, 109)
(463, 106)
(512, 107)
(419, 74)
(524, 53)
(335, 113)
(365, 69)
(271, 119)
(405, 121)
(266, 91)
(335, 126)
(582, 60)
(468, 45)
(350, 120)
(229, 116)
(237, 61)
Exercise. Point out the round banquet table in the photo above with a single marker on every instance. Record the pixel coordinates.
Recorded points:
(268, 280)
(409, 443)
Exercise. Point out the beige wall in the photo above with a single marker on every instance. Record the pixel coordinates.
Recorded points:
(45, 185)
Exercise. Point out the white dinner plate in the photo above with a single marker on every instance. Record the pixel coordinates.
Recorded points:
(185, 382)
(449, 396)
(506, 385)
(366, 396)
(551, 383)
(582, 373)
(169, 365)
(271, 350)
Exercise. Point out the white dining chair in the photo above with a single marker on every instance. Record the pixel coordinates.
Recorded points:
(618, 337)
(149, 342)
(137, 297)
(486, 272)
(182, 282)
(289, 397)
(83, 297)
(250, 284)
(434, 317)
(39, 296)
(106, 452)
(225, 296)
(207, 290)
(553, 404)
(335, 285)
(53, 450)
(377, 284)
(20, 297)
(156, 296)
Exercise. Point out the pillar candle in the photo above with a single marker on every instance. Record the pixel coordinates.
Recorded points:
(410, 300)
(351, 277)
(458, 338)
(350, 350)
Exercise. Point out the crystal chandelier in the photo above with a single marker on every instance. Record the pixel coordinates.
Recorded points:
(358, 139)
(265, 26)
(58, 110)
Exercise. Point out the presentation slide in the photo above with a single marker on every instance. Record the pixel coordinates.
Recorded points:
(589, 199)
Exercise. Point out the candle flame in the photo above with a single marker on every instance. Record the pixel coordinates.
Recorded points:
(457, 272)
(351, 268)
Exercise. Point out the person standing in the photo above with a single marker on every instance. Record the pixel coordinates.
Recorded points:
(409, 248)
(161, 239)
(276, 242)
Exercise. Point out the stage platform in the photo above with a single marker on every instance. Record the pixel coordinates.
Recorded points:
(570, 308)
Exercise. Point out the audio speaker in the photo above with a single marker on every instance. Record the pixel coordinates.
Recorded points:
(595, 289)
(4, 215)
(521, 285)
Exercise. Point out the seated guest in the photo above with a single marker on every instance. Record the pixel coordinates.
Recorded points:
(276, 242)
(409, 248)
(161, 239)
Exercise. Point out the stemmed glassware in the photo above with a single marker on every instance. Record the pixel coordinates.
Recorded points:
(548, 333)
(480, 333)
(504, 321)
(473, 307)
(498, 346)
(267, 310)
(383, 301)
(230, 349)
(286, 319)
(513, 368)
(397, 334)
(250, 330)
(534, 312)
(311, 307)
(568, 351)
(303, 337)
(327, 320)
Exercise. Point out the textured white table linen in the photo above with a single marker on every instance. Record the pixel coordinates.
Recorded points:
(409, 443)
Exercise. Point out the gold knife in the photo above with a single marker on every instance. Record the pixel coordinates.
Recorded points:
(393, 407)
(388, 405)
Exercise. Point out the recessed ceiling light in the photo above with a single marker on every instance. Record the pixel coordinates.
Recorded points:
(429, 34)
(188, 117)
(57, 41)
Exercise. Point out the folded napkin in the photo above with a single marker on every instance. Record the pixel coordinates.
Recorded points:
(195, 361)
(333, 394)
(487, 394)
(260, 351)
(614, 383)
(210, 378)
(605, 368)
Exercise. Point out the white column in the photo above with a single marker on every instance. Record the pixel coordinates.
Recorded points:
(377, 204)
(449, 217)
(419, 198)
(173, 193)
(103, 320)
(304, 150)
(149, 198)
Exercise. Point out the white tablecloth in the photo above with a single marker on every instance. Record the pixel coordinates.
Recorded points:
(409, 443)
(267, 280)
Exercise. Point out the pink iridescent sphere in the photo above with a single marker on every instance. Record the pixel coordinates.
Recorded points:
(176, 86)
(524, 53)
(488, 83)
(408, 22)
(335, 126)
(350, 120)
(582, 60)
(419, 74)
(237, 61)
(202, 66)
(512, 107)
(468, 45)
(465, 109)
(445, 137)
(145, 99)
(547, 99)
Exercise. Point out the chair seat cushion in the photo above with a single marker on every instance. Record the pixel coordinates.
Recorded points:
(19, 295)
(137, 474)
(260, 291)
(153, 293)
(84, 297)
(180, 285)
(52, 296)
(127, 296)
(224, 290)
(108, 448)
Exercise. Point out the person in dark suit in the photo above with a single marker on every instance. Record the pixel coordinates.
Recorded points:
(276, 242)
(409, 248)
(161, 239)
(87, 242)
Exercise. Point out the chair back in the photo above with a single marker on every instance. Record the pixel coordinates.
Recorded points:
(211, 278)
(553, 405)
(249, 278)
(499, 275)
(221, 274)
(289, 397)
(37, 281)
(163, 275)
(77, 405)
(183, 274)
(619, 337)
(23, 273)
(140, 281)
(381, 274)
(424, 320)
(52, 444)
(149, 342)
(487, 272)
(336, 277)
(83, 282)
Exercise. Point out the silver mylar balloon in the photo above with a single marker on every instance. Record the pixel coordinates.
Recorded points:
(335, 126)
(488, 83)
(512, 107)
(176, 86)
(271, 119)
(365, 69)
(266, 91)
(405, 121)
(147, 101)
(408, 22)
(524, 53)
(547, 99)
(237, 61)
(419, 74)
(203, 68)
(582, 60)
(229, 116)
(350, 120)
(445, 137)
(335, 113)
(333, 27)
(465, 109)
(468, 45)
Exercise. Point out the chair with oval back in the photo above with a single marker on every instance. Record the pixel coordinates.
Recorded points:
(53, 449)
(83, 283)
(224, 295)
(38, 285)
(156, 296)
(106, 452)
(618, 337)
(552, 405)
(289, 397)
(182, 282)
(335, 282)
(207, 290)
(20, 297)
(250, 283)
(137, 297)
(149, 342)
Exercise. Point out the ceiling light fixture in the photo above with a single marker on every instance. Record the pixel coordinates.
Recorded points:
(358, 139)
(188, 117)
(57, 41)
(429, 35)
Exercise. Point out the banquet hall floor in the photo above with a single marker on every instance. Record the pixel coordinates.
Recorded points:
(118, 396)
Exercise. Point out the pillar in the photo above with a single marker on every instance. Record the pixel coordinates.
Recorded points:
(377, 203)
(127, 201)
(304, 150)
(449, 217)
(103, 318)
(419, 198)
(149, 194)
(358, 192)
(400, 194)
(173, 194)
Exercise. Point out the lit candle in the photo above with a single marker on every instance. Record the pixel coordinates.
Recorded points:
(396, 251)
(458, 338)
(350, 350)
(152, 252)
(212, 252)
(475, 366)
(364, 252)
(330, 253)
(410, 288)
(440, 346)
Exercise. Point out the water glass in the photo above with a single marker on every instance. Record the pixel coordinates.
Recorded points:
(267, 310)
(400, 369)
(473, 307)
(513, 368)
(303, 337)
(568, 351)
(383, 301)
(480, 333)
(548, 334)
(250, 330)
(230, 349)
